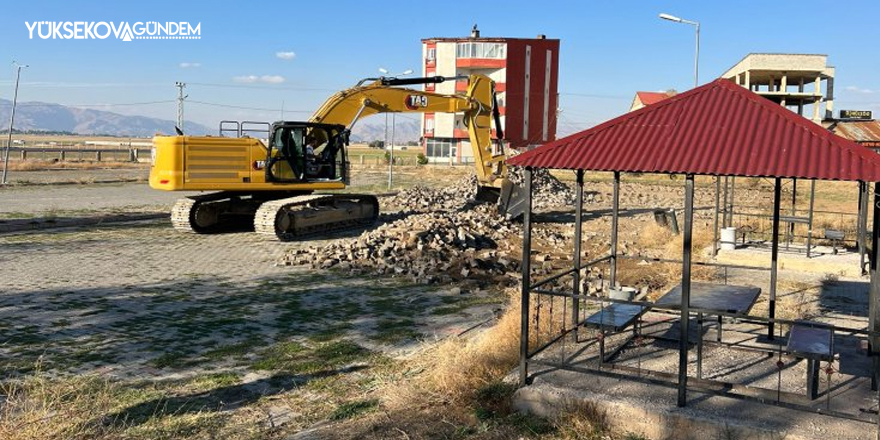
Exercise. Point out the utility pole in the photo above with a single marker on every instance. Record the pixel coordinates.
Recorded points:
(180, 97)
(391, 167)
(12, 119)
(391, 154)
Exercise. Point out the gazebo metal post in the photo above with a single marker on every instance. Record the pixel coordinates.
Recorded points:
(726, 187)
(684, 336)
(526, 278)
(615, 213)
(874, 296)
(715, 229)
(732, 203)
(790, 236)
(874, 291)
(578, 229)
(810, 216)
(774, 255)
(863, 225)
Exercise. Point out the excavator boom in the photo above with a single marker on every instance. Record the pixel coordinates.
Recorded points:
(477, 105)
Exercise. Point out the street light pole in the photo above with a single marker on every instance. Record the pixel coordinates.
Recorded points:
(696, 25)
(12, 119)
(384, 71)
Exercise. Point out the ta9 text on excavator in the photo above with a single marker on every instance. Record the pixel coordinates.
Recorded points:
(273, 184)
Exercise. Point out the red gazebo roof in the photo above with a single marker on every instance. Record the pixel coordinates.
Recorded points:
(719, 128)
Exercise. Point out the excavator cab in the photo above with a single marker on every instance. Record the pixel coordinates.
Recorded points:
(306, 152)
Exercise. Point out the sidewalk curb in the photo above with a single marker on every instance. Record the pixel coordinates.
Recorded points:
(35, 224)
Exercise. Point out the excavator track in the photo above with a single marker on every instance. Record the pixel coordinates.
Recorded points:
(210, 213)
(293, 217)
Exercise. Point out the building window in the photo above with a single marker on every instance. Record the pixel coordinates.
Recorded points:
(429, 125)
(431, 54)
(480, 50)
(439, 147)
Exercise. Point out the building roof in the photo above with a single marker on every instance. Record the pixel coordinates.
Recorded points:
(482, 39)
(791, 63)
(648, 98)
(719, 128)
(858, 131)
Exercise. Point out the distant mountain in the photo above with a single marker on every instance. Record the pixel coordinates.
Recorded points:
(55, 117)
(41, 116)
(404, 131)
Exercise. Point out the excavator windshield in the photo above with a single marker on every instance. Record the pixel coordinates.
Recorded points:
(306, 152)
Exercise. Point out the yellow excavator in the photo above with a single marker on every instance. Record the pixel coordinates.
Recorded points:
(273, 184)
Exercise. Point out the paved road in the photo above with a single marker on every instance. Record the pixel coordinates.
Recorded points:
(83, 199)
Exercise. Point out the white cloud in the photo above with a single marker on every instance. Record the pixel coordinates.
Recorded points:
(285, 55)
(250, 79)
(859, 90)
(190, 65)
(272, 79)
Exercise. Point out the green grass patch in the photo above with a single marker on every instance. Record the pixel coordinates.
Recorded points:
(395, 331)
(233, 350)
(353, 409)
(298, 358)
(332, 332)
(171, 359)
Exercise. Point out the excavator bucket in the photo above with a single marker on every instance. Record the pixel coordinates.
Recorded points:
(487, 194)
(512, 203)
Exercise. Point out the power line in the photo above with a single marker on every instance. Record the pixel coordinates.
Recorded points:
(54, 84)
(593, 95)
(252, 86)
(213, 104)
(46, 104)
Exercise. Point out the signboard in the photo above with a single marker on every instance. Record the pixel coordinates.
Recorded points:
(856, 114)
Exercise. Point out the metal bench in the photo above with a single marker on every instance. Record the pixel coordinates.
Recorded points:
(835, 236)
(615, 318)
(815, 343)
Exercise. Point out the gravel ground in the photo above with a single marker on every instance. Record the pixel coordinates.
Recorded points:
(138, 299)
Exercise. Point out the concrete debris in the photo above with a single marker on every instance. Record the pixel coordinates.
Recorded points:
(433, 247)
(547, 190)
(423, 199)
(442, 236)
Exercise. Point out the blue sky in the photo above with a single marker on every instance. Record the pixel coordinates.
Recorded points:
(609, 50)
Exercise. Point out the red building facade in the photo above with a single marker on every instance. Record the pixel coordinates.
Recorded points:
(525, 72)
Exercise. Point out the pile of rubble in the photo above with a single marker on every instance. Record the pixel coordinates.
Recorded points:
(441, 236)
(547, 191)
(434, 247)
(423, 199)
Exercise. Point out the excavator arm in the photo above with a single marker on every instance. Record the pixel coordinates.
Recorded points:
(382, 95)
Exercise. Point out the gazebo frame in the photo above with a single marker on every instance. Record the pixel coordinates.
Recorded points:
(720, 113)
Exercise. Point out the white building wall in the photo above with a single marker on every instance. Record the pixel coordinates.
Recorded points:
(444, 122)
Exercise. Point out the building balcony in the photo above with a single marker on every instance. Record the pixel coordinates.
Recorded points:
(481, 63)
(461, 86)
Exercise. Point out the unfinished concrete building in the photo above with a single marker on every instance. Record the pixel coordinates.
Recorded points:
(793, 80)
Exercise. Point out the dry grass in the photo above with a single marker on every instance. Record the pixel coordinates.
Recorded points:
(658, 241)
(42, 165)
(794, 300)
(455, 389)
(43, 408)
(457, 367)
